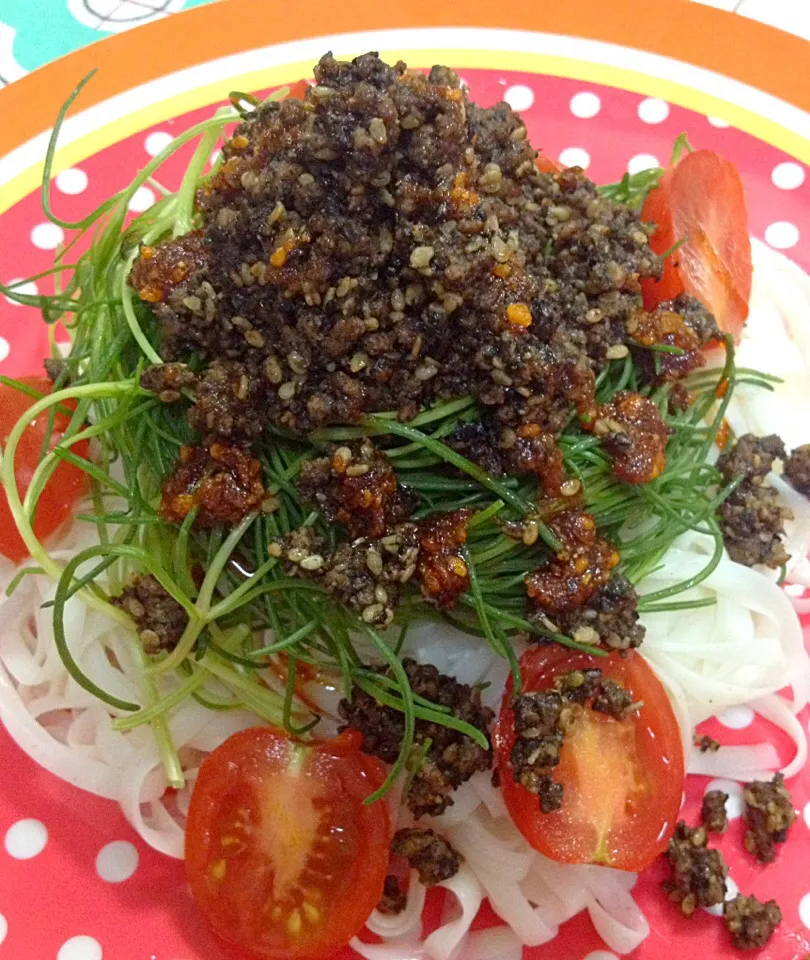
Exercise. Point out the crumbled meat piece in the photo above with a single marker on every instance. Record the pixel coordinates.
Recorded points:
(577, 686)
(683, 323)
(707, 744)
(768, 815)
(751, 458)
(227, 404)
(612, 699)
(452, 757)
(751, 923)
(482, 442)
(168, 380)
(539, 730)
(609, 617)
(365, 575)
(698, 874)
(752, 518)
(429, 854)
(355, 485)
(580, 568)
(160, 270)
(159, 618)
(797, 469)
(444, 265)
(55, 367)
(713, 811)
(222, 482)
(441, 570)
(635, 436)
(393, 899)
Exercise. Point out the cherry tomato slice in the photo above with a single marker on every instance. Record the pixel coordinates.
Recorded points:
(622, 780)
(282, 856)
(67, 483)
(702, 199)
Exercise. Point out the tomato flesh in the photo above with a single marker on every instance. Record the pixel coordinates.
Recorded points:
(702, 200)
(282, 855)
(66, 484)
(622, 780)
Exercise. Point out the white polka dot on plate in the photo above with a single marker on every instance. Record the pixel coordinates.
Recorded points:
(804, 910)
(80, 948)
(718, 122)
(807, 813)
(731, 892)
(47, 236)
(72, 181)
(575, 157)
(600, 955)
(157, 141)
(734, 804)
(214, 157)
(787, 175)
(117, 861)
(585, 104)
(26, 839)
(29, 287)
(142, 199)
(653, 110)
(736, 718)
(5, 349)
(782, 235)
(3, 928)
(642, 161)
(519, 97)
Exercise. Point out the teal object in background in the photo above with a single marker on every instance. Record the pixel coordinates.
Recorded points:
(34, 32)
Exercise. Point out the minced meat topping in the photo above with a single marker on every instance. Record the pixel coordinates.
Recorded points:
(582, 565)
(384, 242)
(713, 811)
(159, 618)
(394, 900)
(698, 874)
(541, 720)
(609, 617)
(752, 518)
(768, 815)
(428, 853)
(452, 757)
(751, 923)
(355, 485)
(797, 469)
(222, 482)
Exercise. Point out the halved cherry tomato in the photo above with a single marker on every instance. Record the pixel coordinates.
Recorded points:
(67, 483)
(622, 780)
(283, 857)
(702, 199)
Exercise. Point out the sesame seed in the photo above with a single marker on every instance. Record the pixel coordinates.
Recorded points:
(617, 352)
(421, 257)
(287, 390)
(313, 562)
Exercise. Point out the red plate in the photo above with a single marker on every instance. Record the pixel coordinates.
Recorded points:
(58, 898)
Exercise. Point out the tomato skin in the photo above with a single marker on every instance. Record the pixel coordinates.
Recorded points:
(284, 859)
(702, 199)
(67, 483)
(632, 771)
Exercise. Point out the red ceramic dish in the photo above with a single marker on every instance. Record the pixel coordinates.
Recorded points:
(75, 881)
